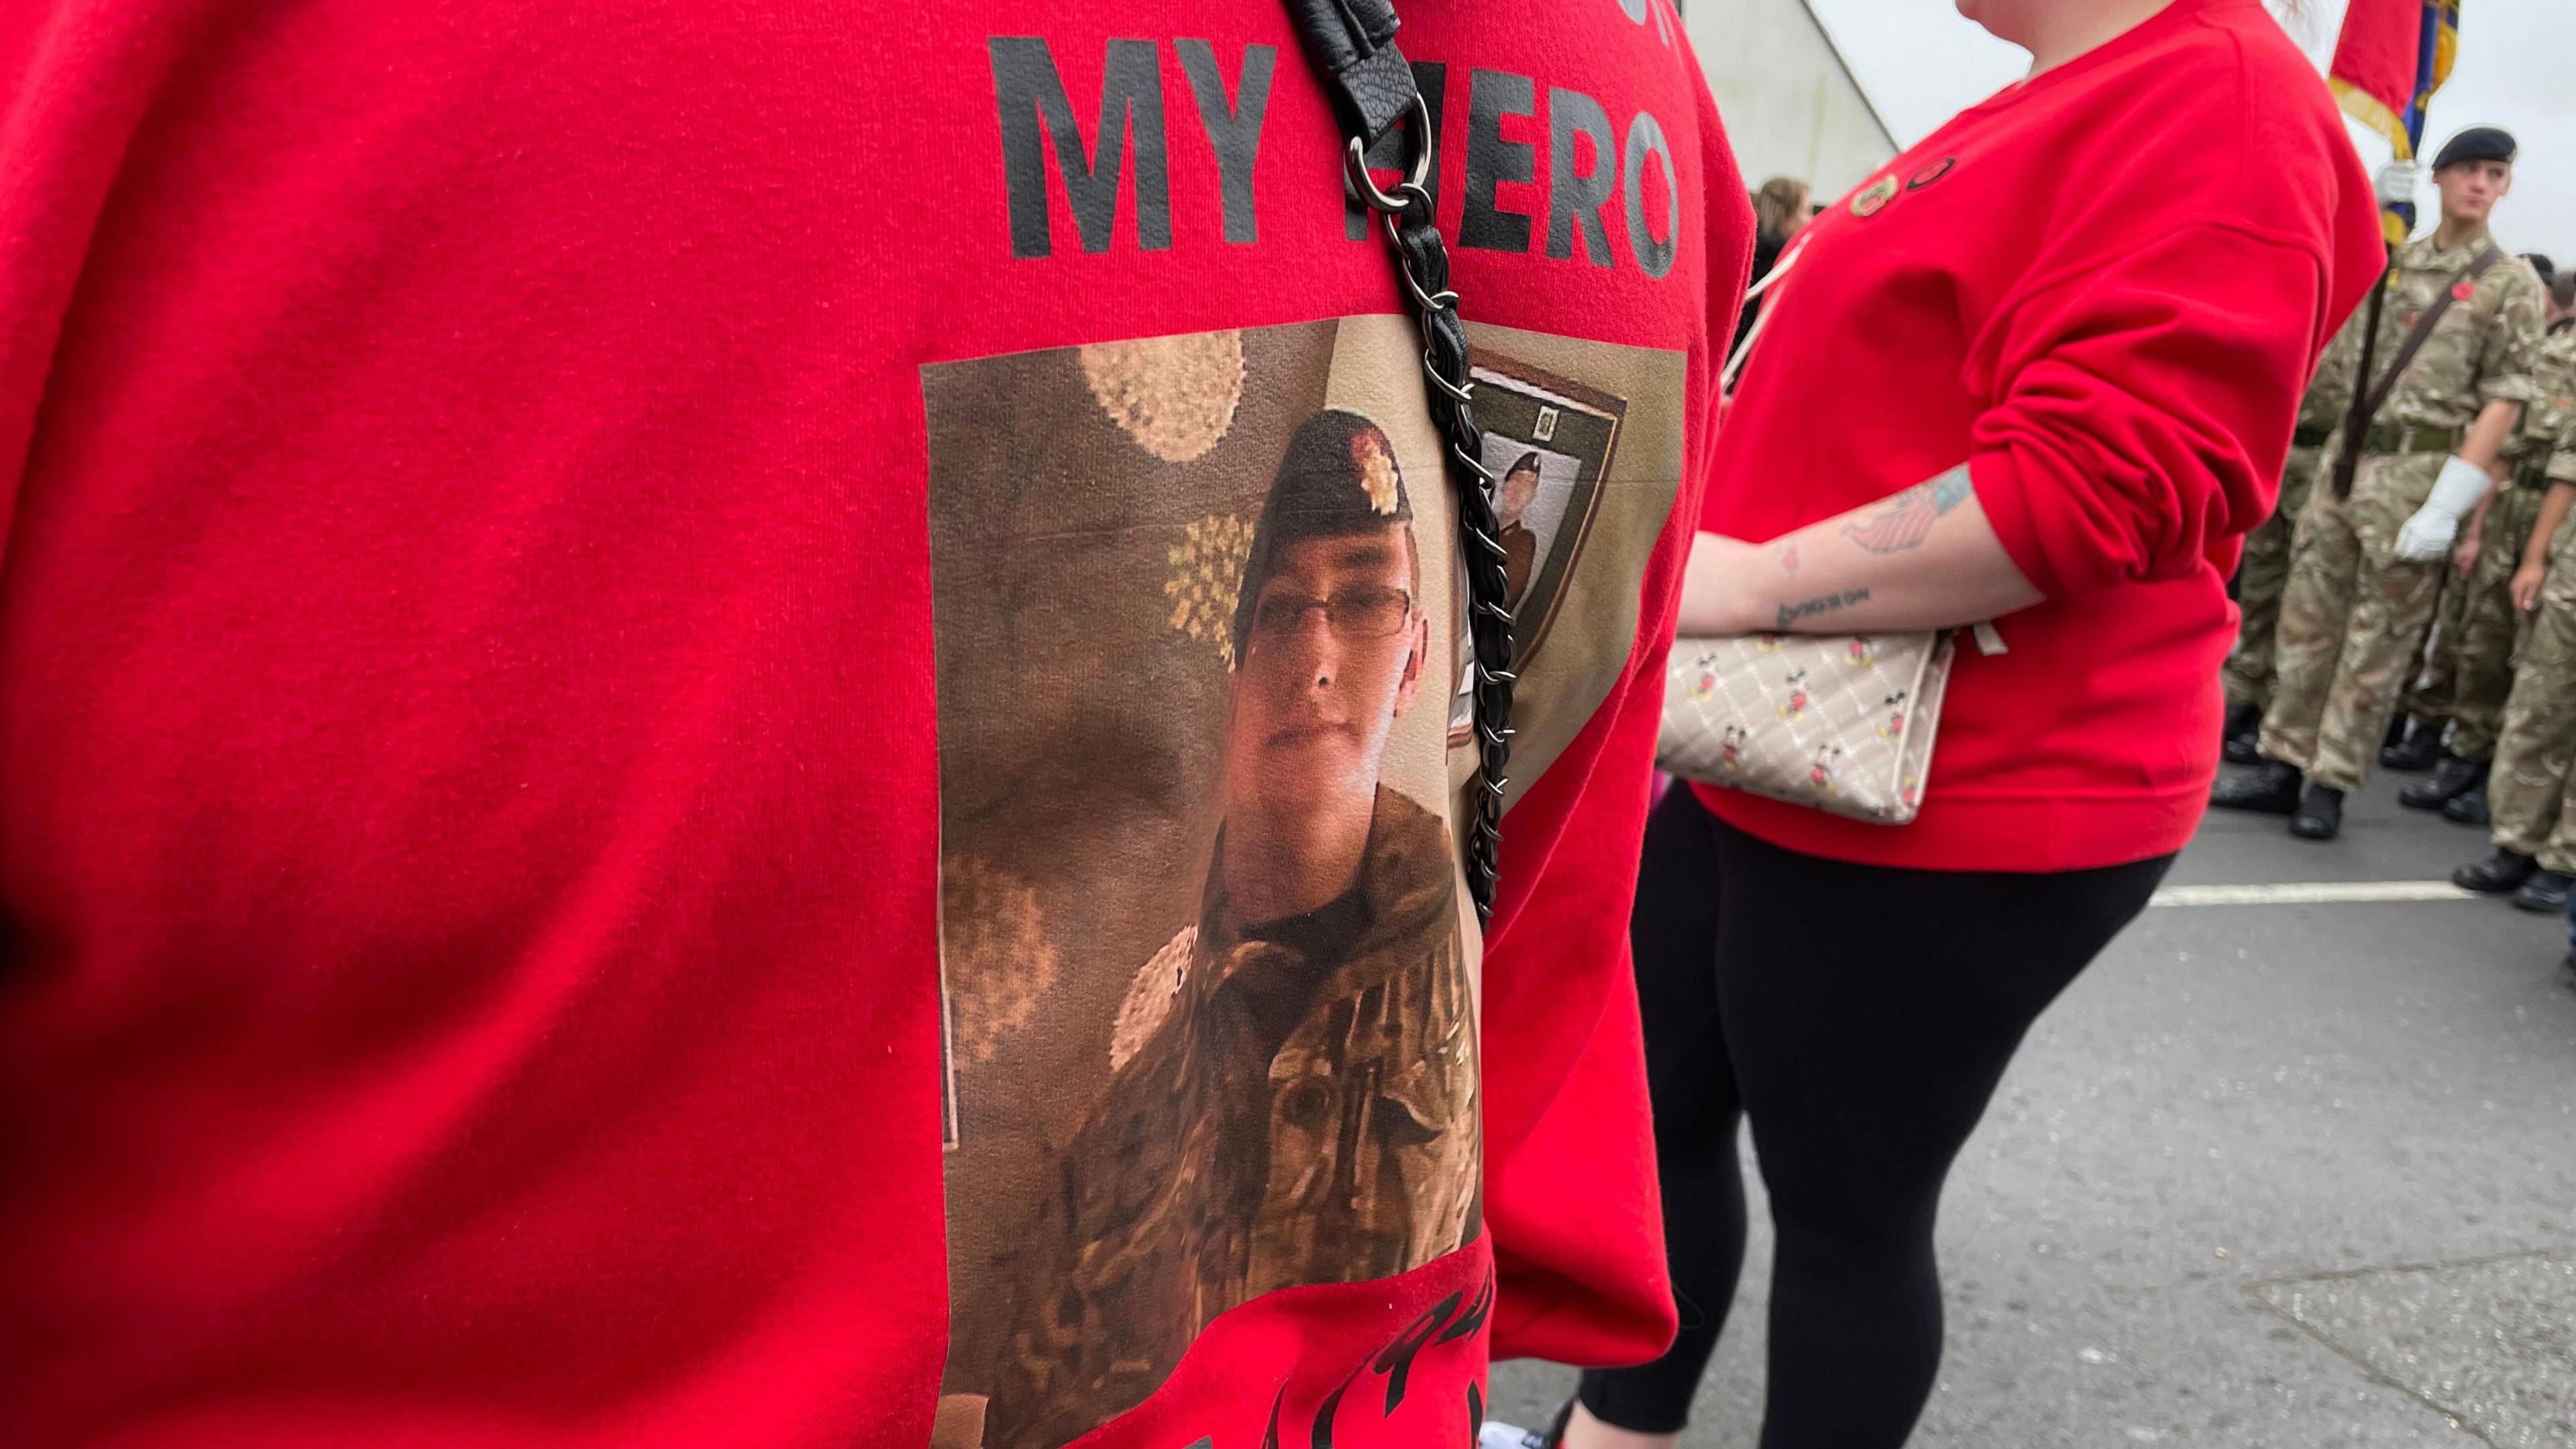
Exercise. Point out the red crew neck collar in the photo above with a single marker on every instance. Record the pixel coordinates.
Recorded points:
(2146, 32)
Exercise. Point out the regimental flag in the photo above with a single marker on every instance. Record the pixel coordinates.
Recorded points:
(2392, 56)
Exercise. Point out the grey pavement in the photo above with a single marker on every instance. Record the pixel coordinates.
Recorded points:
(2289, 1176)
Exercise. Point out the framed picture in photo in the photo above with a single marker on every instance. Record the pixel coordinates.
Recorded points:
(1548, 442)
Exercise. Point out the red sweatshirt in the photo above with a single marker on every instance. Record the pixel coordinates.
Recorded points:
(733, 724)
(2104, 290)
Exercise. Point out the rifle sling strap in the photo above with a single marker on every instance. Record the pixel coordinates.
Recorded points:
(2422, 333)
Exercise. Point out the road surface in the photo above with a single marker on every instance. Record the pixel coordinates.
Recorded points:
(2293, 1166)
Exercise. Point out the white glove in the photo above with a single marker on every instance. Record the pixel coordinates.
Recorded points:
(2398, 180)
(2428, 535)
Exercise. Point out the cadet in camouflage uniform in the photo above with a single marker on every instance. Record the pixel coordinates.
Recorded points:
(2365, 571)
(2471, 700)
(2471, 671)
(2469, 705)
(2533, 813)
(2470, 665)
(1300, 1103)
(2265, 567)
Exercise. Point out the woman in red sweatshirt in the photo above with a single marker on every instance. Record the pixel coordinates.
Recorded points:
(2041, 369)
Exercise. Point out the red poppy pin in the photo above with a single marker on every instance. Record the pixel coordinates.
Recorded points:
(2463, 289)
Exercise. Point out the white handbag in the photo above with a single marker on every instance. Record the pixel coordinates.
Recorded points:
(1844, 723)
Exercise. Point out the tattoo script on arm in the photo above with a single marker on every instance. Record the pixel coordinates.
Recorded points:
(1823, 604)
(1905, 520)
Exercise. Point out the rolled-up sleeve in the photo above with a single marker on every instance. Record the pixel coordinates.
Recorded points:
(2142, 408)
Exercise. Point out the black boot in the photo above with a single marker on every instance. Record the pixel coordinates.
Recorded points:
(2416, 750)
(2499, 873)
(2241, 723)
(2545, 894)
(2452, 778)
(2245, 747)
(2320, 815)
(2270, 788)
(2470, 808)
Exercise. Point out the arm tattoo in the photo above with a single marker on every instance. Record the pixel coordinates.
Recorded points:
(1826, 604)
(1907, 518)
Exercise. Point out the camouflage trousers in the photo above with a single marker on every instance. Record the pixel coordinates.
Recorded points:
(2527, 798)
(2260, 577)
(2471, 669)
(2352, 619)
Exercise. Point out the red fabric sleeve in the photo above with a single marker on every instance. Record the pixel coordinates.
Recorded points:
(1571, 1200)
(52, 193)
(1571, 1203)
(2144, 408)
(1570, 1194)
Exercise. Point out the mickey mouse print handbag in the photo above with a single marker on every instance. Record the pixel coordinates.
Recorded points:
(1843, 723)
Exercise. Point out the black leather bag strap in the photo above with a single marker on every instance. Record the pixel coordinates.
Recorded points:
(1352, 43)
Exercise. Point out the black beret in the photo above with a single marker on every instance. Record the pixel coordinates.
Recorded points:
(2477, 143)
(1339, 478)
(2541, 263)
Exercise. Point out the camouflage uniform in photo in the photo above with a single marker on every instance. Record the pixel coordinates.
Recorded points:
(1303, 1111)
(2528, 804)
(2264, 570)
(2354, 615)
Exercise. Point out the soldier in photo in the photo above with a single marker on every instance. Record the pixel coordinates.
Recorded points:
(2451, 370)
(1512, 498)
(1294, 1097)
(2534, 826)
(2264, 571)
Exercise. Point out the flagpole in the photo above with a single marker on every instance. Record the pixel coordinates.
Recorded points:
(2428, 78)
(2347, 461)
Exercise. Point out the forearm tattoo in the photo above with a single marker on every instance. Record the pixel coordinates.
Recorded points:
(1904, 521)
(1826, 604)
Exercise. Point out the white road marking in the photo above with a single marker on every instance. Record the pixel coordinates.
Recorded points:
(2311, 893)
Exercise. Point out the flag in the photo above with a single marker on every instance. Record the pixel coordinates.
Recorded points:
(2391, 57)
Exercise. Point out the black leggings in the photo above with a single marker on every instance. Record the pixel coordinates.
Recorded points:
(1862, 1015)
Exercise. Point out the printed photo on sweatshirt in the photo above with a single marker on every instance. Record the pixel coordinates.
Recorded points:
(1208, 969)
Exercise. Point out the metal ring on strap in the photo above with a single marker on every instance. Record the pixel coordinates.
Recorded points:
(1464, 394)
(1366, 185)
